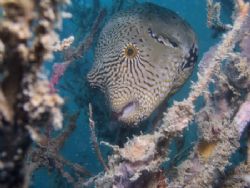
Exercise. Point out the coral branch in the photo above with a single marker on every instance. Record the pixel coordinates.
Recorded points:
(145, 153)
(213, 17)
(26, 34)
(46, 154)
(94, 139)
(65, 44)
(218, 139)
(83, 47)
(57, 73)
(174, 119)
(242, 118)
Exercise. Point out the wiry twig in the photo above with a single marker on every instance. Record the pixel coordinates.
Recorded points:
(46, 154)
(85, 45)
(94, 139)
(117, 5)
(71, 54)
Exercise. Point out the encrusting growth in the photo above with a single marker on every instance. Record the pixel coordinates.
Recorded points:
(213, 17)
(46, 154)
(94, 139)
(27, 103)
(146, 153)
(26, 35)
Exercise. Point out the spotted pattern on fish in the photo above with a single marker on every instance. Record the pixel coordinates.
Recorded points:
(142, 56)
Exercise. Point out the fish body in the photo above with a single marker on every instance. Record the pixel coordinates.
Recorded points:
(142, 56)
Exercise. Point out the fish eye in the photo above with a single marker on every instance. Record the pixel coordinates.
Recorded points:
(130, 51)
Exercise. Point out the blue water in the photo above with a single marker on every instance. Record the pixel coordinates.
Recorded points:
(78, 148)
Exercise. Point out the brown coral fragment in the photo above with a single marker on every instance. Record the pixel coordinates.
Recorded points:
(206, 149)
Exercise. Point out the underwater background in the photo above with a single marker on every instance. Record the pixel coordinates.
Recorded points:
(75, 90)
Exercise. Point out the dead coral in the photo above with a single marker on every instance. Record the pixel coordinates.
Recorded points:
(239, 177)
(128, 167)
(26, 30)
(219, 138)
(40, 102)
(63, 45)
(46, 154)
(213, 17)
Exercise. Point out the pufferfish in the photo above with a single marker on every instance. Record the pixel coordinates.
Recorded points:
(143, 55)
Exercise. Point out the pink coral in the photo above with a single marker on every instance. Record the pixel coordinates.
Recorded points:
(242, 117)
(245, 46)
(58, 71)
(245, 42)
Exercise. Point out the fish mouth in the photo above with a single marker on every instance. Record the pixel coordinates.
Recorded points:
(127, 111)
